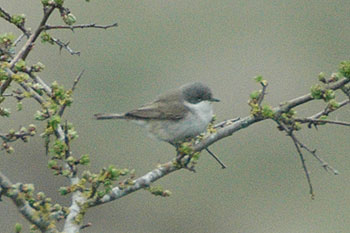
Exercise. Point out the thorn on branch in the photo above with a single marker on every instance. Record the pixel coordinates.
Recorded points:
(316, 122)
(86, 225)
(65, 46)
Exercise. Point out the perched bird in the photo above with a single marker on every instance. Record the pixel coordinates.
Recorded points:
(175, 116)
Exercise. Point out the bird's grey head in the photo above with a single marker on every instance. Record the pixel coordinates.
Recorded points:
(197, 92)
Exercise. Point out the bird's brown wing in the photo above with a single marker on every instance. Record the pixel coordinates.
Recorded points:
(159, 110)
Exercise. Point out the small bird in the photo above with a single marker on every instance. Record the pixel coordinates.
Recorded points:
(175, 116)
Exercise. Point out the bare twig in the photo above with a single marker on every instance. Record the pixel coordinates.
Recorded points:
(301, 156)
(72, 27)
(18, 39)
(263, 93)
(327, 110)
(60, 112)
(307, 174)
(77, 79)
(62, 45)
(324, 164)
(317, 122)
(223, 166)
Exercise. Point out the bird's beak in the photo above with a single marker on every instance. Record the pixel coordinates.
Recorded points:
(214, 100)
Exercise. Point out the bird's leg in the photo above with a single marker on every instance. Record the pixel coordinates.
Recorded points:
(180, 154)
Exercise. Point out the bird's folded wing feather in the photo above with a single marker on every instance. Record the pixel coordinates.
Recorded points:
(159, 110)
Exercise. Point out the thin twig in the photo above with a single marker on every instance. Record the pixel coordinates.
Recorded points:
(38, 80)
(77, 79)
(307, 174)
(317, 121)
(72, 27)
(18, 39)
(262, 94)
(301, 156)
(14, 137)
(60, 112)
(326, 112)
(35, 95)
(324, 164)
(223, 166)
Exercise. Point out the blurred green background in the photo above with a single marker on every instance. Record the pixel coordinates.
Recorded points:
(160, 45)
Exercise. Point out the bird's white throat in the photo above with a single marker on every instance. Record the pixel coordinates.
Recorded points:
(203, 111)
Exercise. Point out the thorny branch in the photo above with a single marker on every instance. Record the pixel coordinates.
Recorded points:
(62, 45)
(8, 17)
(72, 27)
(318, 122)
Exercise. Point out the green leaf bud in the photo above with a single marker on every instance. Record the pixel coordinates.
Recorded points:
(69, 19)
(267, 111)
(328, 95)
(59, 2)
(344, 69)
(18, 19)
(52, 163)
(18, 228)
(316, 91)
(255, 95)
(63, 191)
(258, 78)
(40, 196)
(322, 77)
(20, 65)
(84, 160)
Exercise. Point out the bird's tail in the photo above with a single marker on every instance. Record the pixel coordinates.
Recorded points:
(103, 116)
